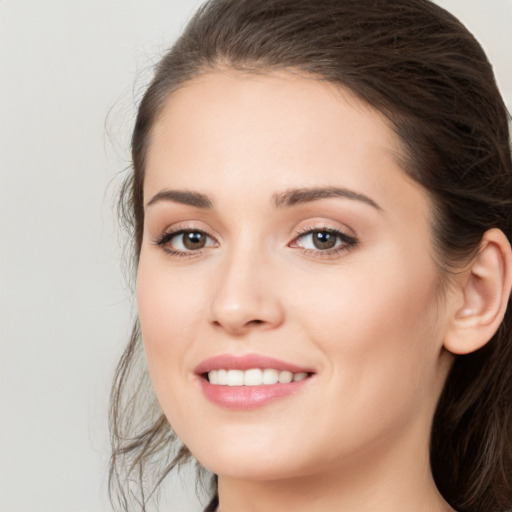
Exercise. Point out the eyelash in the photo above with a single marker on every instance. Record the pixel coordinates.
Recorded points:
(347, 241)
(166, 237)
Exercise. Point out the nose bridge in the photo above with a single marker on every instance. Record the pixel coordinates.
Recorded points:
(244, 297)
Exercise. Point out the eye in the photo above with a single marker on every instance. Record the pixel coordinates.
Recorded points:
(185, 241)
(324, 240)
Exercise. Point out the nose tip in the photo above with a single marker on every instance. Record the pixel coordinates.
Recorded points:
(241, 305)
(236, 321)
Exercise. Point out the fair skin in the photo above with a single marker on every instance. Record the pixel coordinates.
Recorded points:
(266, 272)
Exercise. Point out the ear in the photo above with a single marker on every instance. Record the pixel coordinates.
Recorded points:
(485, 288)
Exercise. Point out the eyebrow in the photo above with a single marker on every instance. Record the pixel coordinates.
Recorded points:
(284, 199)
(305, 195)
(183, 197)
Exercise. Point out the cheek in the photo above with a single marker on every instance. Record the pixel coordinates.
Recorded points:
(378, 328)
(169, 315)
(377, 335)
(353, 301)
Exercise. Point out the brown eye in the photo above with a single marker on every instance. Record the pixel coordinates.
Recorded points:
(323, 240)
(328, 241)
(185, 241)
(193, 240)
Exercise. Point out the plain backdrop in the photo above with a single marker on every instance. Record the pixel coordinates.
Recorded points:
(70, 76)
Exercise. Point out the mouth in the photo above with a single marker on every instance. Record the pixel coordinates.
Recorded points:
(253, 377)
(250, 381)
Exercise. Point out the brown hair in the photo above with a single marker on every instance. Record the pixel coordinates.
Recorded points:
(418, 65)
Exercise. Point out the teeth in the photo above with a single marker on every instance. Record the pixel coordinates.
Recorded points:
(235, 378)
(253, 377)
(222, 376)
(285, 377)
(213, 377)
(270, 376)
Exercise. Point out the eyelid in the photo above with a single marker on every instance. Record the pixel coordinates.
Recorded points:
(324, 225)
(348, 240)
(189, 225)
(169, 233)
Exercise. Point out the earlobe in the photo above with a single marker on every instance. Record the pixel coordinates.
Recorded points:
(485, 291)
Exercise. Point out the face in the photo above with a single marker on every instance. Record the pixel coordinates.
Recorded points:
(282, 242)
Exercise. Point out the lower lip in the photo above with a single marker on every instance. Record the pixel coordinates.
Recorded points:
(249, 397)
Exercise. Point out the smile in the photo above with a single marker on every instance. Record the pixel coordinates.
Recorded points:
(253, 377)
(250, 381)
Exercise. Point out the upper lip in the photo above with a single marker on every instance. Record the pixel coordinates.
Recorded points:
(246, 362)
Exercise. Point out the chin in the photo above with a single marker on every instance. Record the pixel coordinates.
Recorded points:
(249, 457)
(253, 468)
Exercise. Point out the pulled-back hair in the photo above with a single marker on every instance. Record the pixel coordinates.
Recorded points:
(419, 66)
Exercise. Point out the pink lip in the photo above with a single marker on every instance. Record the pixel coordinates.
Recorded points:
(246, 362)
(247, 397)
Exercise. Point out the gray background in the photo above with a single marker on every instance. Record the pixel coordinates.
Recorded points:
(70, 74)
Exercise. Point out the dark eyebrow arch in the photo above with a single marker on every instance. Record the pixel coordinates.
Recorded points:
(305, 195)
(183, 197)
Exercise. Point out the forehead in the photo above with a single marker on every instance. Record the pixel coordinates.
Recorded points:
(266, 132)
(290, 105)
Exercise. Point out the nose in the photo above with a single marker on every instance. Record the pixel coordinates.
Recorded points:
(246, 296)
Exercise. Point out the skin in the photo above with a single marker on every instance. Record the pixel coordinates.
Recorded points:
(369, 319)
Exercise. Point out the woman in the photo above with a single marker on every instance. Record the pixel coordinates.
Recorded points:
(321, 209)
